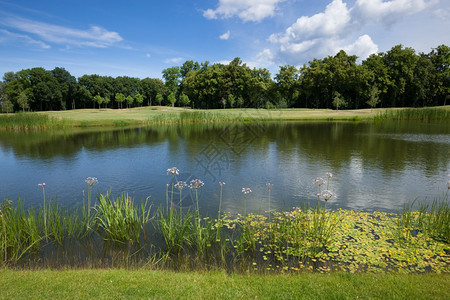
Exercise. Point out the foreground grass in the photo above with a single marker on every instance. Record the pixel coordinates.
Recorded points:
(164, 115)
(126, 284)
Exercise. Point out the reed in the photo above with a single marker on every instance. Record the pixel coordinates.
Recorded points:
(28, 121)
(175, 229)
(432, 219)
(21, 231)
(428, 114)
(120, 220)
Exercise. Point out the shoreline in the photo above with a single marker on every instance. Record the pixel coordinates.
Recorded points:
(155, 115)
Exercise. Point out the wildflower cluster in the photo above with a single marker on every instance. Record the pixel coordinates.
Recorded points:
(246, 191)
(180, 185)
(196, 183)
(173, 171)
(91, 181)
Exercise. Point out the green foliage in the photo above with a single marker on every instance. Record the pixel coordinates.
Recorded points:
(120, 98)
(99, 99)
(422, 114)
(26, 121)
(338, 101)
(184, 99)
(159, 98)
(121, 220)
(374, 98)
(403, 78)
(139, 99)
(171, 98)
(130, 100)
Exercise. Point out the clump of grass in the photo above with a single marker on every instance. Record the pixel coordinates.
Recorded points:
(120, 220)
(423, 114)
(175, 227)
(21, 231)
(430, 219)
(27, 121)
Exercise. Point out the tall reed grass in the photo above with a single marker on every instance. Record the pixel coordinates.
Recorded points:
(428, 114)
(431, 219)
(28, 121)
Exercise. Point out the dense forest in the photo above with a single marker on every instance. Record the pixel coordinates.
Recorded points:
(400, 77)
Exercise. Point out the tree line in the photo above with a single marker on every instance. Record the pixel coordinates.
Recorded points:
(397, 78)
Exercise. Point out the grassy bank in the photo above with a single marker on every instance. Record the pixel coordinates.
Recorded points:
(126, 284)
(164, 115)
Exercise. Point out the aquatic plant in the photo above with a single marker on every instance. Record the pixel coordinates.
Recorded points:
(121, 220)
(42, 185)
(180, 185)
(90, 181)
(245, 191)
(269, 187)
(173, 171)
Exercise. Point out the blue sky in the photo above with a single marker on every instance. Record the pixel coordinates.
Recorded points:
(140, 38)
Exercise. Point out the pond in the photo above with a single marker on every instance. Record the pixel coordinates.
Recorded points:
(375, 165)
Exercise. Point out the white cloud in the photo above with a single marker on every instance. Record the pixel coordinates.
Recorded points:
(247, 10)
(174, 60)
(6, 35)
(95, 36)
(225, 36)
(148, 55)
(263, 59)
(387, 12)
(442, 13)
(337, 28)
(362, 47)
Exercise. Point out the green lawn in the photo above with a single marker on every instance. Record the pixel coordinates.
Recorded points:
(144, 114)
(132, 284)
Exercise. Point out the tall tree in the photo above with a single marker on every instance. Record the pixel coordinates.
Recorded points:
(172, 79)
(172, 99)
(120, 98)
(287, 80)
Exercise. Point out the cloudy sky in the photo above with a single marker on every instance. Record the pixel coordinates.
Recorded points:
(140, 38)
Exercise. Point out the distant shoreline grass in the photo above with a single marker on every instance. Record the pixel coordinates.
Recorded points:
(136, 284)
(145, 116)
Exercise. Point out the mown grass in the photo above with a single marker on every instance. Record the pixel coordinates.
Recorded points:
(164, 115)
(133, 284)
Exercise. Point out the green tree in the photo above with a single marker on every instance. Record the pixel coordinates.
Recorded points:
(159, 98)
(130, 101)
(172, 78)
(98, 99)
(120, 98)
(374, 99)
(172, 99)
(22, 100)
(287, 80)
(67, 85)
(139, 99)
(106, 100)
(440, 57)
(150, 87)
(401, 63)
(7, 105)
(231, 99)
(338, 100)
(184, 99)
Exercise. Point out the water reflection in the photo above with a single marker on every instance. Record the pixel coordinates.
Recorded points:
(376, 165)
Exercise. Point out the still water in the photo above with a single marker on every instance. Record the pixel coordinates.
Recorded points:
(375, 166)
